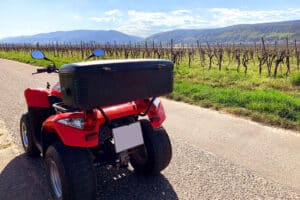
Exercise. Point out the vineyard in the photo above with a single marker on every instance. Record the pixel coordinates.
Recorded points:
(260, 81)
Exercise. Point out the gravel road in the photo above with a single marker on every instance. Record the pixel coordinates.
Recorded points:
(215, 155)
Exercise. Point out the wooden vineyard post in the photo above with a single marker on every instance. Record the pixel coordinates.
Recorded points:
(287, 57)
(245, 60)
(238, 59)
(218, 52)
(279, 59)
(297, 55)
(210, 56)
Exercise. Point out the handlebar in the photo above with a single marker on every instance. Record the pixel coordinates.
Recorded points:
(41, 70)
(48, 69)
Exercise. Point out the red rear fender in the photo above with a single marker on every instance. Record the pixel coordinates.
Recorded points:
(90, 138)
(156, 112)
(71, 136)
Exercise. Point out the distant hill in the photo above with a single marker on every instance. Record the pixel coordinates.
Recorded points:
(233, 34)
(76, 36)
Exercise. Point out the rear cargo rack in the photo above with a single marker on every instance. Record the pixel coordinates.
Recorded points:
(62, 107)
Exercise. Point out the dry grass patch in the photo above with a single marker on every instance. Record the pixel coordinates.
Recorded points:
(5, 140)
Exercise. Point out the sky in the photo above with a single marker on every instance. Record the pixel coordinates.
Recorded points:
(137, 17)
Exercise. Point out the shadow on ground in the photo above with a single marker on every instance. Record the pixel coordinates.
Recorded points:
(124, 184)
(24, 178)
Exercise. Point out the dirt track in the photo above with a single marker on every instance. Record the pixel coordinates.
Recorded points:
(216, 156)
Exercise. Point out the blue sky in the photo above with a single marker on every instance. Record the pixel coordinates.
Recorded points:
(137, 17)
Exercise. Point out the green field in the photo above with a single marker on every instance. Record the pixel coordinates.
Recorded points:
(260, 98)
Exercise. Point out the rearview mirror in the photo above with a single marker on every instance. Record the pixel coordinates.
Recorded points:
(37, 54)
(98, 52)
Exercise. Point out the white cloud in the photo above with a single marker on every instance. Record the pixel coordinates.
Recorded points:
(112, 12)
(102, 19)
(178, 18)
(146, 23)
(77, 18)
(109, 16)
(225, 16)
(181, 12)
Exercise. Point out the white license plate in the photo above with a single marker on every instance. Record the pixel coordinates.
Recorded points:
(127, 137)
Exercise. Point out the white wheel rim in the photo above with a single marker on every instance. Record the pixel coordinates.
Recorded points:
(24, 134)
(55, 179)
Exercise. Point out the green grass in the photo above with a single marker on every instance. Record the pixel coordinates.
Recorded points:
(261, 98)
(296, 79)
(273, 107)
(26, 58)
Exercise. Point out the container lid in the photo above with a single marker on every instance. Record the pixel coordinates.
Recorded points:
(126, 63)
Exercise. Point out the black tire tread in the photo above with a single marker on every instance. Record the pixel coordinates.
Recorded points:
(158, 147)
(76, 169)
(31, 150)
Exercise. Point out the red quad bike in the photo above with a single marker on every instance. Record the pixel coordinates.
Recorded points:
(96, 115)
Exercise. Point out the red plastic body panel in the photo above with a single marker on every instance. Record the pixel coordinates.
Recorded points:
(56, 93)
(157, 115)
(72, 136)
(37, 97)
(76, 137)
(121, 110)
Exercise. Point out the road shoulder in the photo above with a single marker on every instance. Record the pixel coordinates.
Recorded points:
(8, 149)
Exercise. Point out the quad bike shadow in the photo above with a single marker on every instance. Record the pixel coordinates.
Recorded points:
(24, 178)
(124, 184)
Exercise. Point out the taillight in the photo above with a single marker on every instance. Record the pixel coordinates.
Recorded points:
(156, 114)
(86, 122)
(73, 122)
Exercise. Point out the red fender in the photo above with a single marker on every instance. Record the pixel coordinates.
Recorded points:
(37, 97)
(72, 136)
(156, 112)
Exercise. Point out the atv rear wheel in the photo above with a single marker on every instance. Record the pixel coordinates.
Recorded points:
(27, 137)
(156, 153)
(71, 172)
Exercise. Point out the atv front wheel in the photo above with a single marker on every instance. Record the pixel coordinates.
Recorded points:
(156, 153)
(27, 137)
(71, 172)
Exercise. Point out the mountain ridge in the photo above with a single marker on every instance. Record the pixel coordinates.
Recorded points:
(75, 37)
(271, 31)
